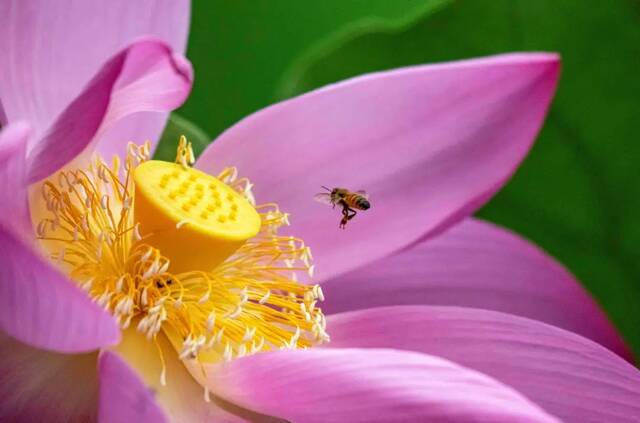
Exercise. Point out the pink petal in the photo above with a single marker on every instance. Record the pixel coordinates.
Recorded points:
(41, 307)
(569, 376)
(123, 397)
(476, 264)
(39, 385)
(145, 76)
(52, 50)
(14, 207)
(429, 143)
(355, 385)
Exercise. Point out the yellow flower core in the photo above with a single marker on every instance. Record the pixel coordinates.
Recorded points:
(173, 249)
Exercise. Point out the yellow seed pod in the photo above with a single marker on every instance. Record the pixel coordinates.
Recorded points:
(193, 218)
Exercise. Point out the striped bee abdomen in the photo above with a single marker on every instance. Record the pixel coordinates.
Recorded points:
(357, 201)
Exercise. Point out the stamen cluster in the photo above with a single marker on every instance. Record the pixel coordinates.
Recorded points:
(251, 302)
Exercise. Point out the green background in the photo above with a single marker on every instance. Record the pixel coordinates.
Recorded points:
(577, 195)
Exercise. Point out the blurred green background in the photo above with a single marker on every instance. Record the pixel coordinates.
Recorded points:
(577, 194)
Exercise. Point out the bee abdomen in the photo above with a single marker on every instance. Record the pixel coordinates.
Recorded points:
(358, 201)
(363, 203)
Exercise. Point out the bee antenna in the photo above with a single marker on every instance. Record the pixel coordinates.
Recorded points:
(326, 188)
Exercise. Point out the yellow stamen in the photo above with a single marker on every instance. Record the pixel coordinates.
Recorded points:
(169, 249)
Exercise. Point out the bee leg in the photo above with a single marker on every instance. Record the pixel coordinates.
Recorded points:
(351, 216)
(345, 216)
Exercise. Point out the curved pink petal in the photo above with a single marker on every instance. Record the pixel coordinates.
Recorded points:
(42, 308)
(569, 376)
(14, 207)
(429, 143)
(145, 76)
(356, 385)
(123, 396)
(476, 264)
(40, 385)
(52, 50)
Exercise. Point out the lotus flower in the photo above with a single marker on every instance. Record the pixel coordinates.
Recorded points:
(123, 297)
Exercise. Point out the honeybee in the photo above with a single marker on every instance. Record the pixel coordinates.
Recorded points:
(348, 200)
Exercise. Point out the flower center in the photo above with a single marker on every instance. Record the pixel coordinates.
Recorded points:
(196, 220)
(184, 254)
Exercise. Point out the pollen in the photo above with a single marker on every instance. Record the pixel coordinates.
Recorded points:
(175, 252)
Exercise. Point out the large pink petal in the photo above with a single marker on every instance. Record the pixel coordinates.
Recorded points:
(476, 264)
(123, 396)
(40, 385)
(569, 376)
(145, 76)
(356, 385)
(41, 307)
(52, 50)
(429, 143)
(14, 207)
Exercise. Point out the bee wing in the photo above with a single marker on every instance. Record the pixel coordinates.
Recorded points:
(323, 197)
(364, 193)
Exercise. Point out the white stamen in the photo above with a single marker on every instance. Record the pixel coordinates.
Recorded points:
(143, 324)
(265, 297)
(234, 313)
(219, 335)
(120, 283)
(228, 354)
(163, 377)
(186, 353)
(181, 224)
(136, 232)
(164, 267)
(204, 298)
(127, 322)
(244, 296)
(152, 270)
(248, 334)
(146, 255)
(242, 350)
(211, 321)
(295, 337)
(319, 293)
(257, 347)
(87, 285)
